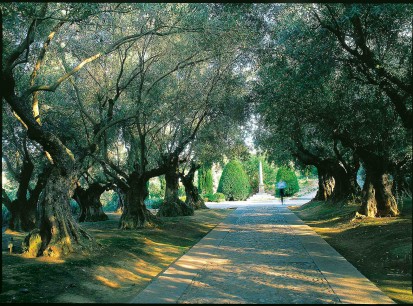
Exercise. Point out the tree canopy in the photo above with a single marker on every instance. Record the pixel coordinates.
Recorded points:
(102, 96)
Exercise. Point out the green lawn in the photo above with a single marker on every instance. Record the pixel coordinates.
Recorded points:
(116, 273)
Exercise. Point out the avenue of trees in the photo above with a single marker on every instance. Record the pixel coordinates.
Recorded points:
(106, 96)
(334, 90)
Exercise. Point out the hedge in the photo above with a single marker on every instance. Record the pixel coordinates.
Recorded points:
(288, 176)
(234, 183)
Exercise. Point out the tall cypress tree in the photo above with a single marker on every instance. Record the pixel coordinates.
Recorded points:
(205, 183)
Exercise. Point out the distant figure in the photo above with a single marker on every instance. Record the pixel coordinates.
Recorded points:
(281, 185)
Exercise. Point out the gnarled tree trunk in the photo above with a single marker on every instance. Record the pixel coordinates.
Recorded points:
(192, 195)
(135, 214)
(378, 199)
(335, 183)
(58, 233)
(23, 211)
(326, 185)
(172, 206)
(121, 200)
(91, 209)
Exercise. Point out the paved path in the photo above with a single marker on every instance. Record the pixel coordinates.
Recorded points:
(261, 254)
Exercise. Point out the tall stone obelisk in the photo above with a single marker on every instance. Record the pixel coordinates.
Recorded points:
(261, 183)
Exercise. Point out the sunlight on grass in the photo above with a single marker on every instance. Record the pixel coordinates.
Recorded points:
(399, 294)
(50, 260)
(116, 272)
(147, 271)
(107, 282)
(377, 247)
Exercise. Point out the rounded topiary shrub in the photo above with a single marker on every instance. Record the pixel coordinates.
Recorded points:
(234, 183)
(287, 175)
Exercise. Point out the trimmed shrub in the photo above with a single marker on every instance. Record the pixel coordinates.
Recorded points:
(205, 183)
(207, 197)
(287, 175)
(234, 183)
(217, 197)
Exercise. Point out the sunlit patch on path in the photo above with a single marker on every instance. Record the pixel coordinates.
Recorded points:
(262, 254)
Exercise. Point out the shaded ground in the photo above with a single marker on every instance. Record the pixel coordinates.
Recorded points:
(380, 248)
(125, 264)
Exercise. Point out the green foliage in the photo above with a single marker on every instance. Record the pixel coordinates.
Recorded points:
(251, 166)
(153, 203)
(287, 175)
(308, 171)
(234, 182)
(205, 183)
(74, 207)
(361, 176)
(213, 197)
(206, 197)
(5, 215)
(181, 191)
(155, 190)
(109, 201)
(217, 197)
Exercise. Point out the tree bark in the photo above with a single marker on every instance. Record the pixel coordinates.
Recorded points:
(121, 200)
(172, 206)
(378, 199)
(91, 209)
(23, 210)
(193, 199)
(19, 210)
(135, 214)
(326, 185)
(58, 233)
(345, 182)
(333, 182)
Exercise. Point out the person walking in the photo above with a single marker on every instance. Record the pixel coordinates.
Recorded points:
(281, 185)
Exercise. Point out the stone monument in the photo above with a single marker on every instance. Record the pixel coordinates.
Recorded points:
(261, 183)
(261, 196)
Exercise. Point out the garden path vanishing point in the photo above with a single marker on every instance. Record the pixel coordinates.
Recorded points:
(262, 253)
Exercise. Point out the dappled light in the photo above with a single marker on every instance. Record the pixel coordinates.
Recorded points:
(107, 282)
(247, 263)
(169, 152)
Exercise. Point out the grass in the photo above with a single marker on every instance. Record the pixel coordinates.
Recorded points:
(380, 248)
(116, 273)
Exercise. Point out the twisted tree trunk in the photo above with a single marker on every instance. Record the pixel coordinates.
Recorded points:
(91, 209)
(58, 233)
(135, 214)
(121, 200)
(193, 198)
(378, 199)
(172, 206)
(335, 183)
(326, 184)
